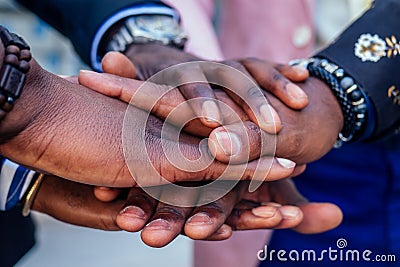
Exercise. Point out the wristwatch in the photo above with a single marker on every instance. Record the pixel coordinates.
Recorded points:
(145, 29)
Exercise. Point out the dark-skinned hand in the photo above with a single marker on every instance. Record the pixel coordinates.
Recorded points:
(306, 135)
(68, 130)
(149, 59)
(167, 221)
(275, 205)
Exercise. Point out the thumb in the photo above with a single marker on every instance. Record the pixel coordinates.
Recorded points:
(118, 64)
(317, 217)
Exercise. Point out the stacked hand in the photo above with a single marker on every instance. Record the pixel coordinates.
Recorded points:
(275, 205)
(237, 210)
(76, 133)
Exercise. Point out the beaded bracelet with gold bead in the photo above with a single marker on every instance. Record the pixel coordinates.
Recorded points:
(352, 99)
(16, 65)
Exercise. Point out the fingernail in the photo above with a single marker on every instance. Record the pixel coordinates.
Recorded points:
(229, 143)
(104, 188)
(264, 211)
(272, 204)
(290, 212)
(270, 119)
(200, 219)
(295, 92)
(88, 72)
(288, 164)
(300, 70)
(134, 212)
(159, 224)
(211, 112)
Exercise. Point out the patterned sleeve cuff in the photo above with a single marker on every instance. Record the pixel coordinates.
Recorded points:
(150, 8)
(14, 181)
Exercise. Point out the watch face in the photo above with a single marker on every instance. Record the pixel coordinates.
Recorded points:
(158, 24)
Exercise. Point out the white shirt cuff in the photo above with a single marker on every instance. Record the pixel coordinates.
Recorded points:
(14, 181)
(153, 9)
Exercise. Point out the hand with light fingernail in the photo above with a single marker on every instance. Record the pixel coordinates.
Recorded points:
(306, 135)
(209, 221)
(232, 114)
(275, 205)
(149, 59)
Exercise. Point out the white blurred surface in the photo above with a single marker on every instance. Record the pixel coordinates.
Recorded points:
(62, 245)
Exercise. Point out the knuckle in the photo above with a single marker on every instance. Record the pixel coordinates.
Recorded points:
(254, 92)
(172, 212)
(215, 206)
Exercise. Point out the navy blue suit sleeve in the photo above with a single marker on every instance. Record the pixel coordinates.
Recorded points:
(79, 20)
(369, 50)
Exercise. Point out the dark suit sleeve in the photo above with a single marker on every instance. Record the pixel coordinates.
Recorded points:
(369, 50)
(17, 236)
(79, 20)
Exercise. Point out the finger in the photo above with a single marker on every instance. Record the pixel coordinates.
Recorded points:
(292, 217)
(271, 80)
(106, 194)
(194, 87)
(207, 219)
(188, 159)
(118, 64)
(109, 84)
(293, 73)
(147, 97)
(137, 210)
(159, 99)
(223, 233)
(246, 217)
(240, 142)
(317, 217)
(263, 169)
(286, 193)
(203, 103)
(246, 93)
(76, 204)
(168, 221)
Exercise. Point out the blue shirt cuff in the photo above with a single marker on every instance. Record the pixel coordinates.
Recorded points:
(14, 181)
(148, 8)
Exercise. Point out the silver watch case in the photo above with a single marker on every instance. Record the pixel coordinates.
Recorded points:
(144, 29)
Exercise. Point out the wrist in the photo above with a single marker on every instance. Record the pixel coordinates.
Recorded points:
(27, 107)
(351, 97)
(310, 133)
(143, 23)
(152, 58)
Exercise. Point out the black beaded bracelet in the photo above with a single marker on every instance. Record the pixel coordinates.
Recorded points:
(350, 96)
(16, 65)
